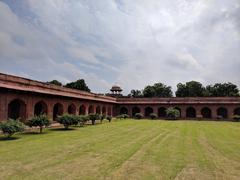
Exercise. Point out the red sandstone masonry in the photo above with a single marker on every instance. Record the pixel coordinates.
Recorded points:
(30, 92)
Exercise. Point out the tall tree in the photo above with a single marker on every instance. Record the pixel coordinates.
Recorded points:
(55, 82)
(157, 90)
(190, 89)
(135, 93)
(79, 84)
(222, 90)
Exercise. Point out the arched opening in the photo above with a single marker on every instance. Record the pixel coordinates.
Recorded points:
(123, 110)
(90, 109)
(206, 112)
(162, 112)
(237, 111)
(98, 110)
(191, 112)
(17, 109)
(135, 110)
(104, 110)
(82, 110)
(180, 111)
(72, 109)
(109, 111)
(222, 112)
(57, 110)
(148, 111)
(40, 108)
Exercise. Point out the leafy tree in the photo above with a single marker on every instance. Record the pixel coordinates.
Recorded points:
(67, 120)
(236, 118)
(222, 90)
(157, 90)
(153, 116)
(109, 118)
(173, 113)
(190, 89)
(39, 121)
(11, 127)
(123, 116)
(55, 82)
(135, 93)
(81, 119)
(79, 84)
(93, 117)
(138, 116)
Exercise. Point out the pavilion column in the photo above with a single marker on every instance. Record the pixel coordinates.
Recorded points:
(3, 108)
(155, 110)
(86, 108)
(214, 112)
(183, 112)
(198, 112)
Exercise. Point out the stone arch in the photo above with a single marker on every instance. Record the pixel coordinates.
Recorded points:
(135, 110)
(222, 112)
(148, 111)
(206, 112)
(123, 110)
(82, 110)
(162, 112)
(40, 108)
(191, 112)
(72, 109)
(17, 109)
(57, 110)
(237, 111)
(104, 110)
(98, 110)
(90, 109)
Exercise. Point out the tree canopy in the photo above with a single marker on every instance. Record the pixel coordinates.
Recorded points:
(190, 89)
(79, 84)
(135, 93)
(222, 90)
(157, 90)
(55, 82)
(196, 89)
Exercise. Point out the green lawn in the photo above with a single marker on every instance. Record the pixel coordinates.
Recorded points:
(126, 149)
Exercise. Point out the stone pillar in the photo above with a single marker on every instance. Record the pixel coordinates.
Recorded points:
(198, 112)
(183, 112)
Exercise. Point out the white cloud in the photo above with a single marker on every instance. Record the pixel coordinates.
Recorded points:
(126, 42)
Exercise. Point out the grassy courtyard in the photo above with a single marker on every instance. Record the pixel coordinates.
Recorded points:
(126, 149)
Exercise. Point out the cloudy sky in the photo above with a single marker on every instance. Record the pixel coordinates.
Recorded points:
(129, 42)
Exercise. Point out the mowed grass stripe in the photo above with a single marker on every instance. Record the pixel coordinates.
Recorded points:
(127, 149)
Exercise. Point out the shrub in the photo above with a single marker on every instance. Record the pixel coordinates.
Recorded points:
(138, 116)
(81, 119)
(123, 116)
(109, 118)
(39, 121)
(153, 116)
(236, 118)
(102, 117)
(11, 127)
(93, 117)
(173, 113)
(67, 120)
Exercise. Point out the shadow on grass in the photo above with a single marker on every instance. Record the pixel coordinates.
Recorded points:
(9, 138)
(62, 129)
(34, 133)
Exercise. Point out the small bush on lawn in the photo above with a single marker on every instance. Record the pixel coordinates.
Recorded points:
(11, 127)
(236, 118)
(102, 117)
(109, 118)
(173, 113)
(67, 120)
(39, 121)
(81, 119)
(93, 117)
(138, 116)
(153, 116)
(123, 116)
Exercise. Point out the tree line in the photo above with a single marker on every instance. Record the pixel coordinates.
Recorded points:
(80, 84)
(188, 89)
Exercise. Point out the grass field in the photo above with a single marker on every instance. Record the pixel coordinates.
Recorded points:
(127, 149)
